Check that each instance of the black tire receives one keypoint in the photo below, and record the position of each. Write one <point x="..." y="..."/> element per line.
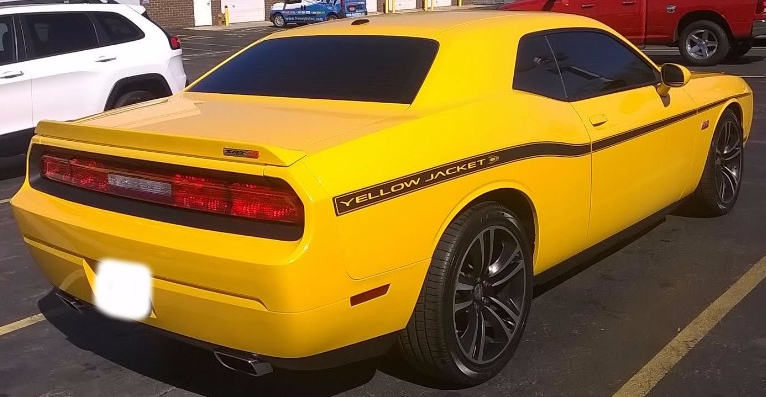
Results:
<point x="279" y="20"/>
<point x="701" y="29"/>
<point x="133" y="97"/>
<point x="739" y="49"/>
<point x="332" y="17"/>
<point x="430" y="342"/>
<point x="712" y="196"/>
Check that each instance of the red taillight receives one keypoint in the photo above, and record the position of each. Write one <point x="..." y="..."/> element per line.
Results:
<point x="246" y="200"/>
<point x="175" y="42"/>
<point x="761" y="7"/>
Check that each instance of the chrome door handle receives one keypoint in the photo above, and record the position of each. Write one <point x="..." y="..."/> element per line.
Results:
<point x="588" y="6"/>
<point x="10" y="75"/>
<point x="628" y="3"/>
<point x="105" y="59"/>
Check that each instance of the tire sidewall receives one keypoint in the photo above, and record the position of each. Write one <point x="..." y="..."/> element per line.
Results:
<point x="728" y="115"/>
<point x="130" y="98"/>
<point x="490" y="215"/>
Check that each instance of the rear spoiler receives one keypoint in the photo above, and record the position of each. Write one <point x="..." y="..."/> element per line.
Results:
<point x="192" y="146"/>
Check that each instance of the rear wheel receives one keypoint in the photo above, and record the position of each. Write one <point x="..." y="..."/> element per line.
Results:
<point x="279" y="21"/>
<point x="475" y="300"/>
<point x="703" y="43"/>
<point x="719" y="188"/>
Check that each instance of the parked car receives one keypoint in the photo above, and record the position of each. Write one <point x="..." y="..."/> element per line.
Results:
<point x="303" y="12"/>
<point x="284" y="212"/>
<point x="705" y="31"/>
<point x="66" y="61"/>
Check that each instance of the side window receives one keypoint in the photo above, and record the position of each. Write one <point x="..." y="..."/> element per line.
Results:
<point x="7" y="42"/>
<point x="118" y="29"/>
<point x="54" y="34"/>
<point x="536" y="70"/>
<point x="594" y="64"/>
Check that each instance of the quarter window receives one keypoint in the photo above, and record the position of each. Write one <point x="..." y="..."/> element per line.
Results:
<point x="594" y="64"/>
<point x="118" y="29"/>
<point x="7" y="42"/>
<point x="54" y="34"/>
<point x="536" y="69"/>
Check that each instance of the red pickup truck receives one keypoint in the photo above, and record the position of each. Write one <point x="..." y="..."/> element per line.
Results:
<point x="705" y="31"/>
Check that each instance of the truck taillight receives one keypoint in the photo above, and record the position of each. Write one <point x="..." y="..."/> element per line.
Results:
<point x="267" y="201"/>
<point x="761" y="7"/>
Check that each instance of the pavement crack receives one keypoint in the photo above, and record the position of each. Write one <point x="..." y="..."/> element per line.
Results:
<point x="164" y="392"/>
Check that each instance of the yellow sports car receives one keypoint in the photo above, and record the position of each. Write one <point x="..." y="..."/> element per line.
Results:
<point x="333" y="191"/>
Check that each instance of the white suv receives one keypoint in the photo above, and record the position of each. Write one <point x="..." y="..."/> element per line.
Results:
<point x="67" y="61"/>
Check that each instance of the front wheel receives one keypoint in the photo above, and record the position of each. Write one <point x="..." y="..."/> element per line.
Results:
<point x="279" y="21"/>
<point x="721" y="181"/>
<point x="703" y="43"/>
<point x="475" y="300"/>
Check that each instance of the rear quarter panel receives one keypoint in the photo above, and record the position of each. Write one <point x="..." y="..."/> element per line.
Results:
<point x="662" y="26"/>
<point x="385" y="234"/>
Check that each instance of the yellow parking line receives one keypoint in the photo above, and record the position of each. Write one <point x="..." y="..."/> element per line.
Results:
<point x="23" y="323"/>
<point x="648" y="377"/>
<point x="4" y="201"/>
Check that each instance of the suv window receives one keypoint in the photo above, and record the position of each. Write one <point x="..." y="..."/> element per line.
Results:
<point x="60" y="33"/>
<point x="594" y="64"/>
<point x="7" y="42"/>
<point x="536" y="70"/>
<point x="118" y="29"/>
<point x="354" y="68"/>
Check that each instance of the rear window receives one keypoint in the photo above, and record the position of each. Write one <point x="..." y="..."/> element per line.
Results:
<point x="354" y="68"/>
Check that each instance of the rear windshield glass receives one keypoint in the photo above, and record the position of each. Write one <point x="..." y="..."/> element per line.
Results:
<point x="354" y="68"/>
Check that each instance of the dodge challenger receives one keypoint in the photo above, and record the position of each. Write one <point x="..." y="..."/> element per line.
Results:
<point x="333" y="192"/>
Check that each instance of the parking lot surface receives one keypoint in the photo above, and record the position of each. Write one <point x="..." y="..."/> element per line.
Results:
<point x="590" y="333"/>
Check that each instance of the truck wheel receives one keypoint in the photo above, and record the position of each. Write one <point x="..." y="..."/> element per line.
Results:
<point x="739" y="49"/>
<point x="703" y="43"/>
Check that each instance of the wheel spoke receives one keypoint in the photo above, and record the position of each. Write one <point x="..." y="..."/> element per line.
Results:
<point x="731" y="155"/>
<point x="504" y="259"/>
<point x="514" y="316"/>
<point x="481" y="338"/>
<point x="730" y="178"/>
<point x="468" y="339"/>
<point x="497" y="323"/>
<point x="462" y="305"/>
<point x="463" y="283"/>
<point x="519" y="266"/>
<point x="487" y="250"/>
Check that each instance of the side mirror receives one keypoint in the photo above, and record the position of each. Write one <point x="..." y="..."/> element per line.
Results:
<point x="673" y="76"/>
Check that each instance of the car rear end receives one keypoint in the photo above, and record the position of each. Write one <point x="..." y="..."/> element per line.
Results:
<point x="169" y="46"/>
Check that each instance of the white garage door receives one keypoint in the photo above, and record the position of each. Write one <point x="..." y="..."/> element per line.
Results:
<point x="405" y="5"/>
<point x="245" y="10"/>
<point x="442" y="3"/>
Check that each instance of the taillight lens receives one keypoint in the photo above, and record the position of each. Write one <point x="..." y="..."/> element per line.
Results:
<point x="219" y="196"/>
<point x="761" y="7"/>
<point x="175" y="42"/>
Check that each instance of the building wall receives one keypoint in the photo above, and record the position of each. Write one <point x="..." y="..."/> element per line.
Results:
<point x="173" y="13"/>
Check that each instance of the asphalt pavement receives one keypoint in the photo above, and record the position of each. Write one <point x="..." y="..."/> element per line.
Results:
<point x="589" y="333"/>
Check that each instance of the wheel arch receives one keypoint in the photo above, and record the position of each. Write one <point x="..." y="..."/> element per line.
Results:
<point x="700" y="15"/>
<point x="152" y="82"/>
<point x="512" y="195"/>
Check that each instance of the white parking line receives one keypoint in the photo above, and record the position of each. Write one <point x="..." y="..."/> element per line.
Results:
<point x="644" y="381"/>
<point x="23" y="323"/>
<point x="4" y="201"/>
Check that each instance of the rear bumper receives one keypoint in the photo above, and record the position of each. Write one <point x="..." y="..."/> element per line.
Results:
<point x="67" y="241"/>
<point x="759" y="28"/>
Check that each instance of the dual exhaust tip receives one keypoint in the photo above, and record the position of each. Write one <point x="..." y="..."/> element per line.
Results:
<point x="240" y="362"/>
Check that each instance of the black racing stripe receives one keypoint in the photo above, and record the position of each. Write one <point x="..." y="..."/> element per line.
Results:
<point x="637" y="132"/>
<point x="385" y="191"/>
<point x="394" y="188"/>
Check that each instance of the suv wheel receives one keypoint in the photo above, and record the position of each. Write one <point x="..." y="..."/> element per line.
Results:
<point x="134" y="97"/>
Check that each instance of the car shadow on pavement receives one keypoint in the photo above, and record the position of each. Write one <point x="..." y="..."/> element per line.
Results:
<point x="12" y="167"/>
<point x="190" y="368"/>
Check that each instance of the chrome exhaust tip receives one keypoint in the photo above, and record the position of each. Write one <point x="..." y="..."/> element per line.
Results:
<point x="248" y="364"/>
<point x="70" y="301"/>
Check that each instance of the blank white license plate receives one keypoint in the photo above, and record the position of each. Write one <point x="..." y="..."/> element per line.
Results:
<point x="123" y="290"/>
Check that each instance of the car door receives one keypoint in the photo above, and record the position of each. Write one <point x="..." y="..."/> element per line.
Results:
<point x="627" y="17"/>
<point x="640" y="140"/>
<point x="293" y="11"/>
<point x="69" y="68"/>
<point x="15" y="90"/>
